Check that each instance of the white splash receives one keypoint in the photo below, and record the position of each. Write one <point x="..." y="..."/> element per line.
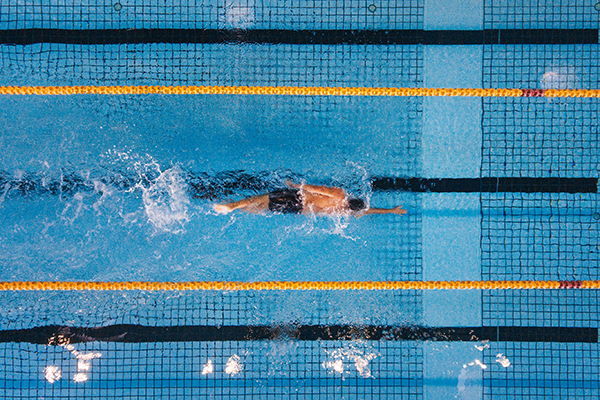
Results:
<point x="52" y="373"/>
<point x="5" y="190"/>
<point x="208" y="368"/>
<point x="83" y="362"/>
<point x="83" y="366"/>
<point x="559" y="78"/>
<point x="362" y="366"/>
<point x="481" y="348"/>
<point x="233" y="366"/>
<point x="166" y="202"/>
<point x="73" y="208"/>
<point x="239" y="16"/>
<point x="341" y="222"/>
<point x="89" y="356"/>
<point x="164" y="196"/>
<point x="332" y="224"/>
<point x="359" y="358"/>
<point x="475" y="362"/>
<point x="337" y="365"/>
<point x="107" y="191"/>
<point x="80" y="377"/>
<point x="502" y="360"/>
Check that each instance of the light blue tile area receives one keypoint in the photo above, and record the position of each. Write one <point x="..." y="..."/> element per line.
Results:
<point x="455" y="308"/>
<point x="451" y="141"/>
<point x="451" y="252"/>
<point x="452" y="66"/>
<point x="451" y="236"/>
<point x="447" y="373"/>
<point x="452" y="14"/>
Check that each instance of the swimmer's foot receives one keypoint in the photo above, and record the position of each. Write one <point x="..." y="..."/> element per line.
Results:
<point x="222" y="208"/>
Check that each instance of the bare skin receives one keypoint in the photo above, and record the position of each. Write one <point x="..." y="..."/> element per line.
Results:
<point x="315" y="200"/>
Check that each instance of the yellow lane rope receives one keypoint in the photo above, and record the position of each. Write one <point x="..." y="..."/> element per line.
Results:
<point x="283" y="285"/>
<point x="295" y="91"/>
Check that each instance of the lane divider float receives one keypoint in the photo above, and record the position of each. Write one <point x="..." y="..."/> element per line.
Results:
<point x="295" y="91"/>
<point x="297" y="285"/>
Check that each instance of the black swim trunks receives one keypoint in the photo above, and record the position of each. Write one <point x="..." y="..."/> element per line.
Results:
<point x="287" y="201"/>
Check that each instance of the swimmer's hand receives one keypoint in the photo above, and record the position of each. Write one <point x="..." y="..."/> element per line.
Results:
<point x="399" y="210"/>
<point x="221" y="209"/>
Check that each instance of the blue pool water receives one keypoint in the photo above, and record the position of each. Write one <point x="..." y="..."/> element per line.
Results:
<point x="121" y="188"/>
<point x="133" y="193"/>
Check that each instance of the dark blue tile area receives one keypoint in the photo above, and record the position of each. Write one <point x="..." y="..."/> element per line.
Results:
<point x="527" y="236"/>
<point x="524" y="14"/>
<point x="215" y="14"/>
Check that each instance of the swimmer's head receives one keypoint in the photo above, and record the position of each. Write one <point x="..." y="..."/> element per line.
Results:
<point x="356" y="204"/>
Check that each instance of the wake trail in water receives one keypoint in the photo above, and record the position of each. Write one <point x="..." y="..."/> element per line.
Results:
<point x="113" y="188"/>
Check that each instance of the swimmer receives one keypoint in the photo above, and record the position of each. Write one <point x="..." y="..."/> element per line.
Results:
<point x="306" y="199"/>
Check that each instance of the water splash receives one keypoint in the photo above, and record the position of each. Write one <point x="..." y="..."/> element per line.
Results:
<point x="238" y="16"/>
<point x="105" y="191"/>
<point x="559" y="78"/>
<point x="233" y="365"/>
<point x="359" y="177"/>
<point x="340" y="225"/>
<point x="165" y="200"/>
<point x="485" y="345"/>
<point x="337" y="365"/>
<point x="359" y="357"/>
<point x="502" y="360"/>
<point x="208" y="368"/>
<point x="52" y="373"/>
<point x="73" y="208"/>
<point x="80" y="377"/>
<point x="475" y="362"/>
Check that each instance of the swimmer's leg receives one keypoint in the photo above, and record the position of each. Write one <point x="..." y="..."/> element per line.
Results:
<point x="254" y="204"/>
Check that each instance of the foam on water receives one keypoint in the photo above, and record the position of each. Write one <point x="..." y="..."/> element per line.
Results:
<point x="166" y="201"/>
<point x="233" y="365"/>
<point x="208" y="368"/>
<point x="107" y="192"/>
<point x="358" y="358"/>
<point x="559" y="78"/>
<point x="164" y="193"/>
<point x="52" y="373"/>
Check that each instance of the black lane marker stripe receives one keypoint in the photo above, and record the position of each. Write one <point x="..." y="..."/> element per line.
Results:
<point x="213" y="187"/>
<point x="314" y="37"/>
<point x="489" y="185"/>
<point x="55" y="335"/>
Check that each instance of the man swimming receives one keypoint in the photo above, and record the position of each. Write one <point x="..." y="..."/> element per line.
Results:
<point x="305" y="199"/>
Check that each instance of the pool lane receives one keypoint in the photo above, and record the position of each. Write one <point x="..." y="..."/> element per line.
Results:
<point x="451" y="227"/>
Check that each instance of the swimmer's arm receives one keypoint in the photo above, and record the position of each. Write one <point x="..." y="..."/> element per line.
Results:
<point x="396" y="210"/>
<point x="322" y="190"/>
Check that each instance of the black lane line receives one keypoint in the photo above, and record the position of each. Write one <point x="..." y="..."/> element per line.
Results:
<point x="212" y="187"/>
<point x="56" y="335"/>
<point x="488" y="185"/>
<point x="310" y="37"/>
